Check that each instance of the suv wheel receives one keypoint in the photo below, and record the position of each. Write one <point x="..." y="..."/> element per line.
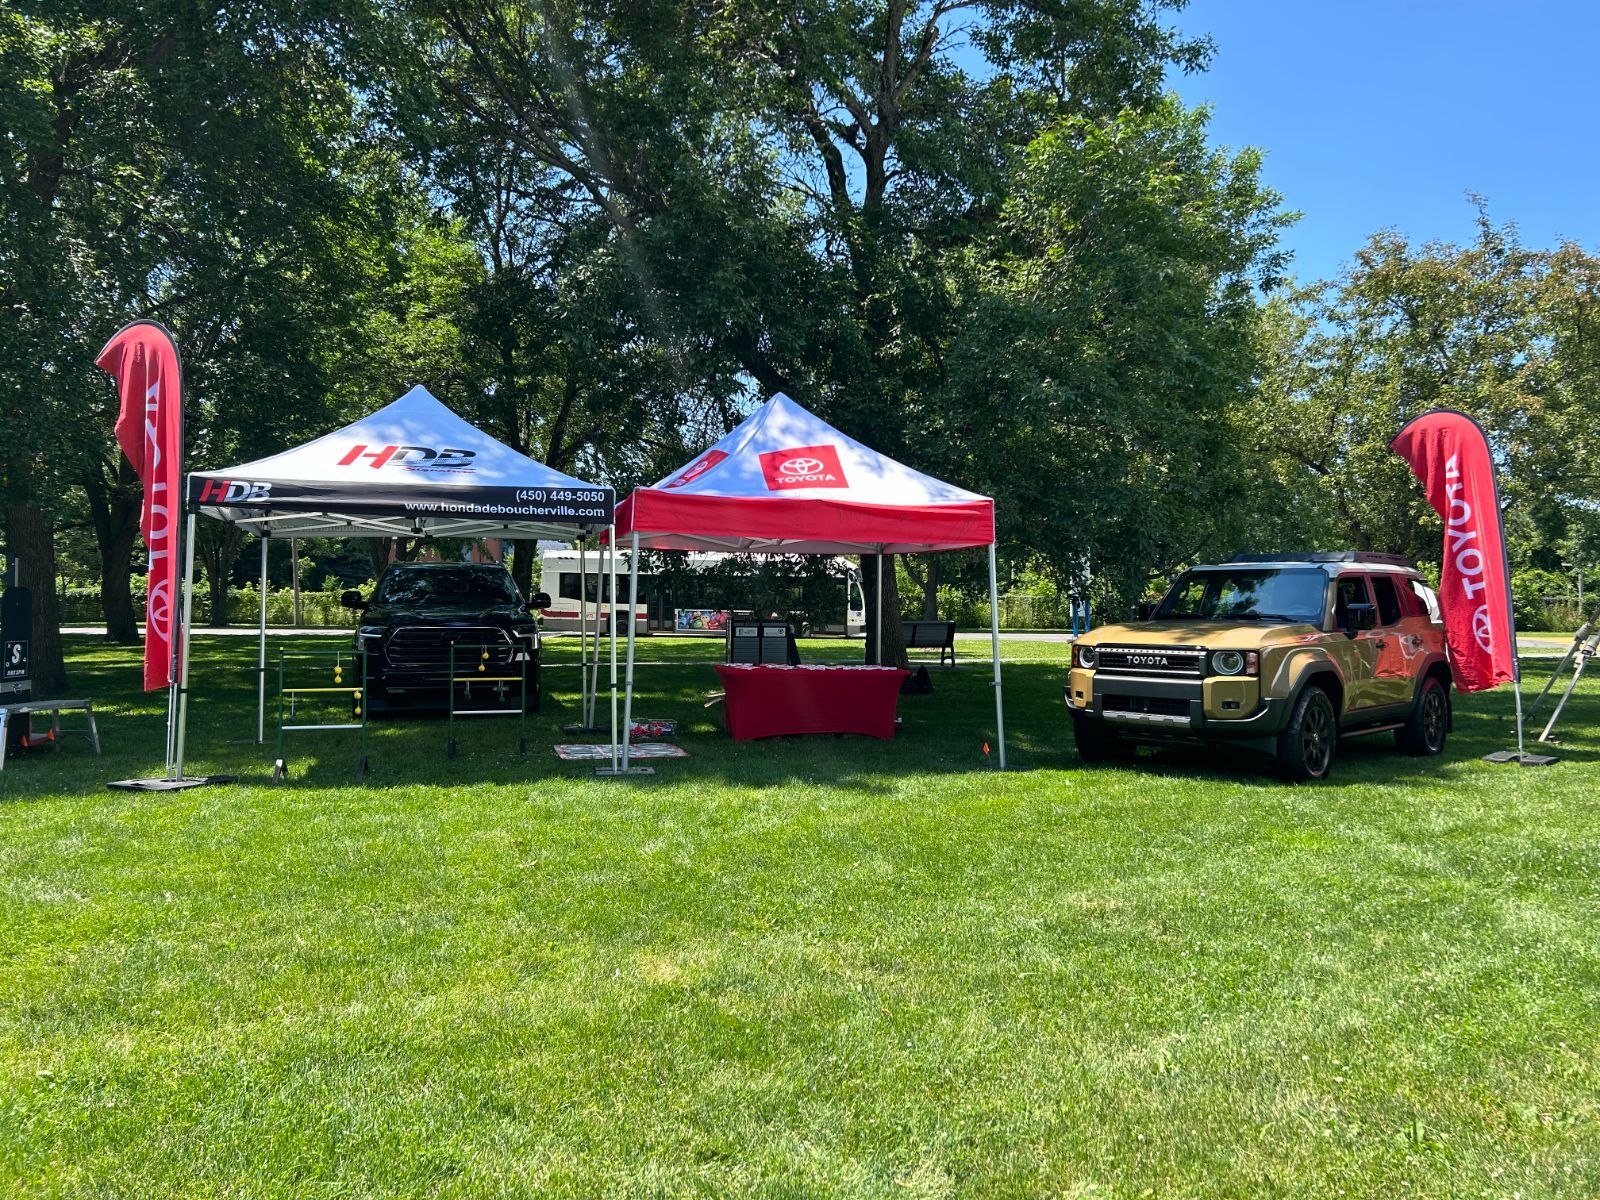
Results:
<point x="1425" y="729"/>
<point x="1308" y="741"/>
<point x="1097" y="744"/>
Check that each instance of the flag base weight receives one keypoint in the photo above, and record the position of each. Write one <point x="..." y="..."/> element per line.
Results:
<point x="169" y="785"/>
<point x="1522" y="760"/>
<point x="608" y="773"/>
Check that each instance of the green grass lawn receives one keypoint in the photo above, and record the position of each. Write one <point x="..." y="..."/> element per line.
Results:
<point x="794" y="968"/>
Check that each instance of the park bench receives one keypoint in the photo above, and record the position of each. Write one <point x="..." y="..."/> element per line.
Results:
<point x="55" y="708"/>
<point x="932" y="635"/>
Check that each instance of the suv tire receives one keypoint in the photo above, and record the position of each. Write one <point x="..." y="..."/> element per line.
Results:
<point x="1097" y="744"/>
<point x="1307" y="744"/>
<point x="1425" y="729"/>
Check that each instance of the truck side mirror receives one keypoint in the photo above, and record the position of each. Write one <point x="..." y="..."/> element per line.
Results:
<point x="540" y="600"/>
<point x="1144" y="610"/>
<point x="352" y="599"/>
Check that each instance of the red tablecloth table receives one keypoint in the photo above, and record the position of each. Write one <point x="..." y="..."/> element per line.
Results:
<point x="768" y="701"/>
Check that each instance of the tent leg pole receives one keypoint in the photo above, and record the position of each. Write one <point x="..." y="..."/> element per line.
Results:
<point x="611" y="569"/>
<point x="583" y="632"/>
<point x="878" y="657"/>
<point x="627" y="708"/>
<point x="595" y="637"/>
<point x="994" y="634"/>
<point x="294" y="580"/>
<point x="261" y="652"/>
<point x="183" y="663"/>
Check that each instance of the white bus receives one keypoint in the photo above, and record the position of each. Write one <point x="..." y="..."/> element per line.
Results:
<point x="658" y="606"/>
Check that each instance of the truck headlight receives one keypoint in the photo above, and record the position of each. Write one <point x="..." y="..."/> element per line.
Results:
<point x="1235" y="662"/>
<point x="369" y="639"/>
<point x="1086" y="656"/>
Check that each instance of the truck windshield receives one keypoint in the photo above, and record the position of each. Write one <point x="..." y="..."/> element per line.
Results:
<point x="1292" y="596"/>
<point x="447" y="587"/>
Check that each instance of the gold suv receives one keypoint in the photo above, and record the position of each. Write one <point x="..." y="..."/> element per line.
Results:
<point x="1281" y="656"/>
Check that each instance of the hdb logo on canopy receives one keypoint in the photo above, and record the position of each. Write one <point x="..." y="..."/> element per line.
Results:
<point x="233" y="491"/>
<point x="412" y="458"/>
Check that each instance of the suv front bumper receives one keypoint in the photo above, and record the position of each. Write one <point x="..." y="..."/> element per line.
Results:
<point x="1186" y="710"/>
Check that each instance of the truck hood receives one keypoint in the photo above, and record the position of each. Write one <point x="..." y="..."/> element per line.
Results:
<point x="1213" y="635"/>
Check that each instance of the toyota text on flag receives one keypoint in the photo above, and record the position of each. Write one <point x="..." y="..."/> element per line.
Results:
<point x="1450" y="455"/>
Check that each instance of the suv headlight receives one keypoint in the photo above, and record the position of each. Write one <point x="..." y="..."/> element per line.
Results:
<point x="369" y="638"/>
<point x="1235" y="662"/>
<point x="1085" y="656"/>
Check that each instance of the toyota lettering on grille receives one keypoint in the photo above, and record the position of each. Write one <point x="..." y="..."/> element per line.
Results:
<point x="1148" y="660"/>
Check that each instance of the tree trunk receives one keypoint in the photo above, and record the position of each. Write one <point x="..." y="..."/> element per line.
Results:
<point x="894" y="637"/>
<point x="115" y="510"/>
<point x="524" y="552"/>
<point x="299" y="617"/>
<point x="30" y="537"/>
<point x="930" y="590"/>
<point x="217" y="548"/>
<point x="382" y="551"/>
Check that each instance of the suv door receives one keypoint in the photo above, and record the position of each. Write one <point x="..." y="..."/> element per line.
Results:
<point x="1356" y="651"/>
<point x="1398" y="646"/>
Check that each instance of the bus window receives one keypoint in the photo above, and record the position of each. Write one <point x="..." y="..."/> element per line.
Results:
<point x="569" y="585"/>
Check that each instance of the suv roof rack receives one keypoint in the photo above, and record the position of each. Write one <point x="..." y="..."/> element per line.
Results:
<point x="1329" y="556"/>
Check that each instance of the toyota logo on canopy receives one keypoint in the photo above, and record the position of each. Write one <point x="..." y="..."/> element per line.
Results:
<point x="803" y="467"/>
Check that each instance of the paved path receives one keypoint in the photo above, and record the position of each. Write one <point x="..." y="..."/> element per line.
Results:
<point x="1531" y="644"/>
<point x="285" y="631"/>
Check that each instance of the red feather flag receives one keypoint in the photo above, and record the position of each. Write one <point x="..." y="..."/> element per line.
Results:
<point x="1449" y="453"/>
<point x="143" y="359"/>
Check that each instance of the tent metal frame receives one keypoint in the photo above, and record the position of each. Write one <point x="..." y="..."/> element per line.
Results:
<point x="265" y="528"/>
<point x="625" y="767"/>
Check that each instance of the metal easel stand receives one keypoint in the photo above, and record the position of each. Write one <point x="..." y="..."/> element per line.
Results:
<point x="481" y="676"/>
<point x="1584" y="647"/>
<point x="291" y="695"/>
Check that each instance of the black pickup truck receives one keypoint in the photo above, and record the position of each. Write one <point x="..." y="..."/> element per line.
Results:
<point x="419" y="609"/>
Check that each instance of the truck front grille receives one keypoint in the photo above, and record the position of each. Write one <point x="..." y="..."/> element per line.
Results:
<point x="1175" y="662"/>
<point x="427" y="648"/>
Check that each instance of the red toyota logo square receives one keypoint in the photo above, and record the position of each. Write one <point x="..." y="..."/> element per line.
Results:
<point x="803" y="467"/>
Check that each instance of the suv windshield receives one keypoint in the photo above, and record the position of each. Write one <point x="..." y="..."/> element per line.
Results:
<point x="446" y="587"/>
<point x="1246" y="594"/>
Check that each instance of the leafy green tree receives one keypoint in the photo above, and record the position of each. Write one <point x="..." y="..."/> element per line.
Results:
<point x="212" y="167"/>
<point x="1111" y="335"/>
<point x="1493" y="328"/>
<point x="793" y="192"/>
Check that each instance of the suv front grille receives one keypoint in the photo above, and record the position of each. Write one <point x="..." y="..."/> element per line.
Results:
<point x="427" y="647"/>
<point x="1162" y="706"/>
<point x="1177" y="662"/>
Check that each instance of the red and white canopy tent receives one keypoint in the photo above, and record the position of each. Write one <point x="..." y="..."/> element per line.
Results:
<point x="787" y="482"/>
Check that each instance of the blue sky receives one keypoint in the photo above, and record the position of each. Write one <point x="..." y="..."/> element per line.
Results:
<point x="1377" y="115"/>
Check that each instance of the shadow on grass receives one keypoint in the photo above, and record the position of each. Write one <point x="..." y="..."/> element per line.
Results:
<point x="942" y="735"/>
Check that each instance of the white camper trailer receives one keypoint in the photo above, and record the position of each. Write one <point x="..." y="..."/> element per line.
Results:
<point x="579" y="591"/>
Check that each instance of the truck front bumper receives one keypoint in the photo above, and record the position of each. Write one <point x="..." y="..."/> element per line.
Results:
<point x="1177" y="710"/>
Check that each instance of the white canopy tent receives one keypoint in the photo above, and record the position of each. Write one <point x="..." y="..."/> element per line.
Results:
<point x="412" y="469"/>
